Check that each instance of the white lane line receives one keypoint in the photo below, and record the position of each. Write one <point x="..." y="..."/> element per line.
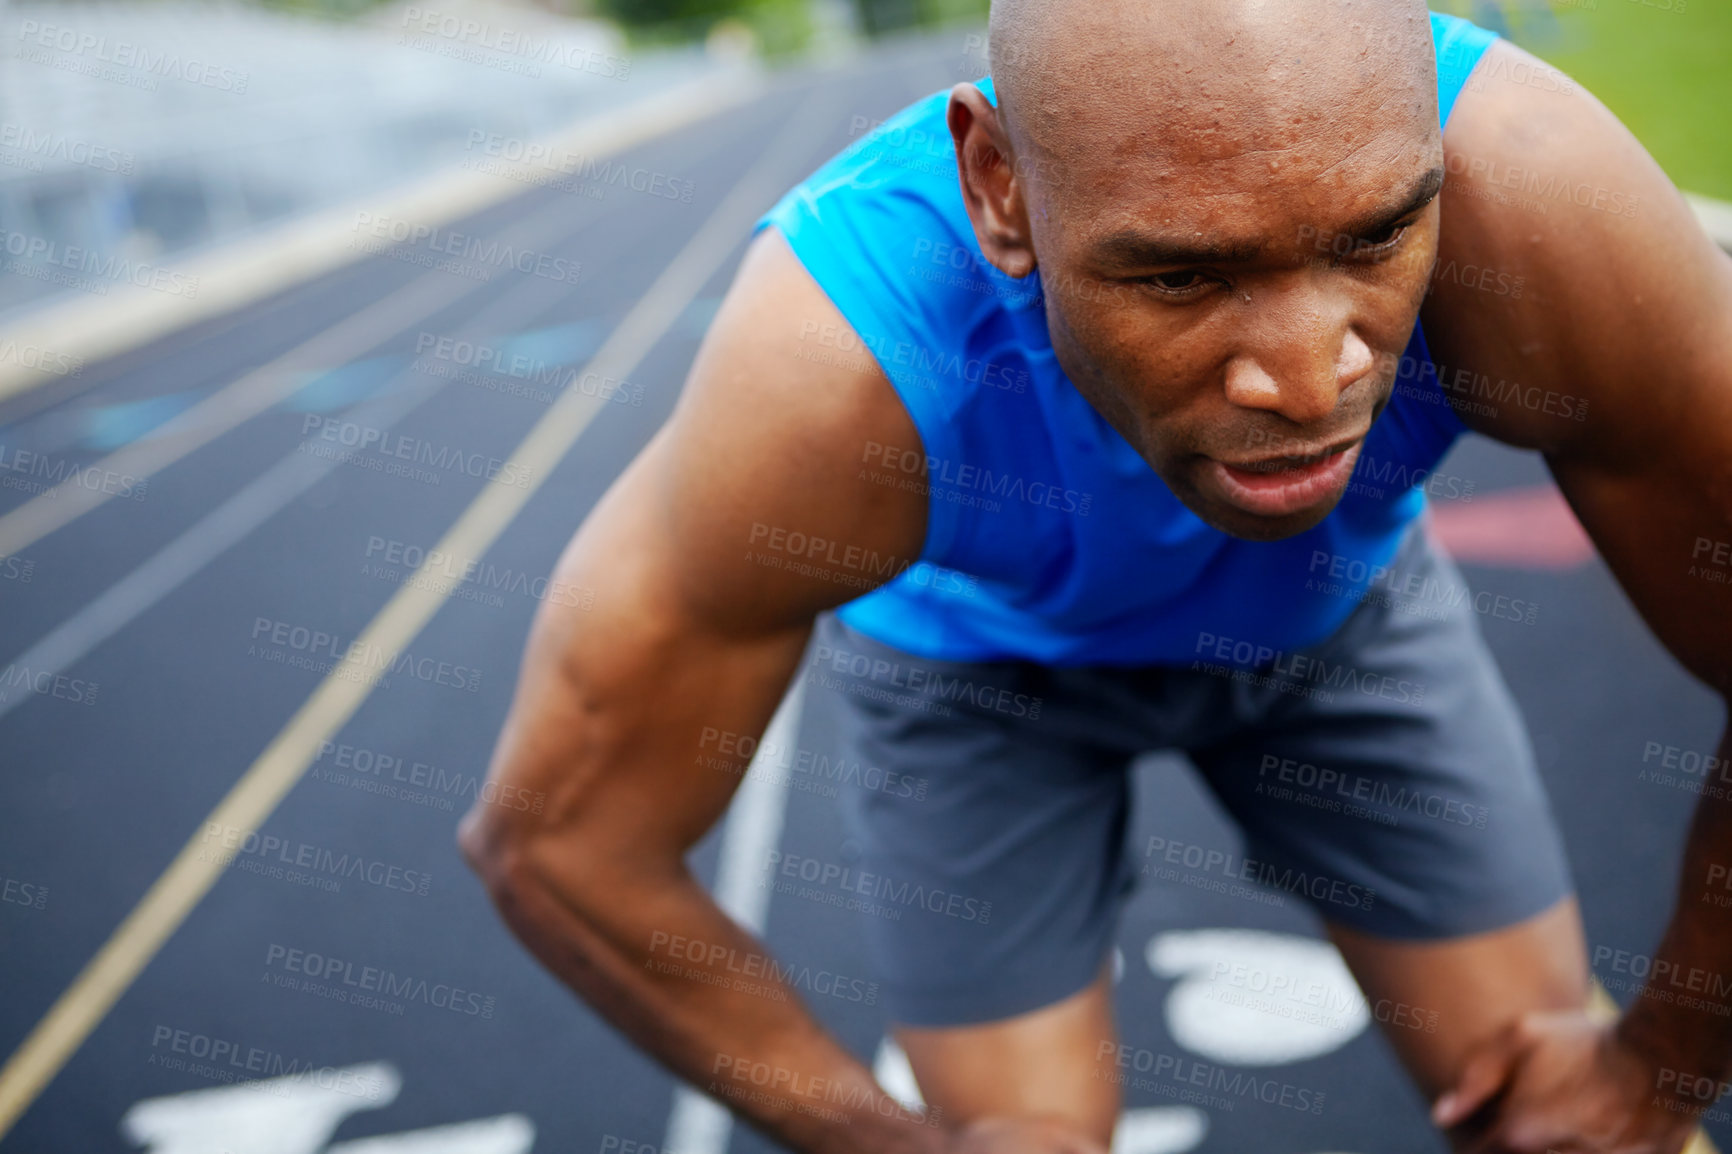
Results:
<point x="297" y="1114"/>
<point x="208" y="538"/>
<point x="290" y="1115"/>
<point x="54" y="1039"/>
<point x="214" y="533"/>
<point x="505" y="1134"/>
<point x="698" y="1124"/>
<point x="1160" y="1130"/>
<point x="892" y="1070"/>
<point x="754" y="827"/>
<point x="245" y="398"/>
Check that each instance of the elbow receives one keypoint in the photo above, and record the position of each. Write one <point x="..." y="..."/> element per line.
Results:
<point x="473" y="841"/>
<point x="508" y="857"/>
<point x="495" y="846"/>
<point x="529" y="867"/>
<point x="546" y="886"/>
<point x="535" y="904"/>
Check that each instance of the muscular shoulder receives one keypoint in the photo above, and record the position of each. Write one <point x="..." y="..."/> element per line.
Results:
<point x="1570" y="270"/>
<point x="762" y="463"/>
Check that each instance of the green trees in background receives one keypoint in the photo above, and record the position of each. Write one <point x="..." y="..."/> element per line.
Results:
<point x="876" y="16"/>
<point x="779" y="25"/>
<point x="1660" y="65"/>
<point x="649" y="13"/>
<point x="880" y="16"/>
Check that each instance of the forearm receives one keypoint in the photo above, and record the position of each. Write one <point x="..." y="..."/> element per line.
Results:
<point x="716" y="1014"/>
<point x="1682" y="1020"/>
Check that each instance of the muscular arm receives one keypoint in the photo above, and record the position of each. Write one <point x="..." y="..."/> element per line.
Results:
<point x="1626" y="310"/>
<point x="692" y="633"/>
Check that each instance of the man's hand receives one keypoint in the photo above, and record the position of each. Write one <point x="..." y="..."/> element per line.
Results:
<point x="1565" y="1083"/>
<point x="1022" y="1136"/>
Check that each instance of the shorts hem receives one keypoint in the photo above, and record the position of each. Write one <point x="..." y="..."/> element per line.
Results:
<point x="974" y="1005"/>
<point x="1405" y="927"/>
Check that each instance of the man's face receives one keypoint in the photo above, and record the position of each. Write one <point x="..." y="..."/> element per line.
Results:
<point x="1236" y="307"/>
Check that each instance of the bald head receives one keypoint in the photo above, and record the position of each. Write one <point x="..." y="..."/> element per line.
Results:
<point x="1232" y="205"/>
<point x="1200" y="81"/>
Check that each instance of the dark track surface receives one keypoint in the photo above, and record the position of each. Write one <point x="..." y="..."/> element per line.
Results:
<point x="97" y="797"/>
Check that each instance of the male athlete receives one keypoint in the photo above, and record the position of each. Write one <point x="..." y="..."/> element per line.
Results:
<point x="1105" y="428"/>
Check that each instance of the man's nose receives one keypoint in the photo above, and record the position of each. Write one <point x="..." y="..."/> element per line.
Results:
<point x="1301" y="371"/>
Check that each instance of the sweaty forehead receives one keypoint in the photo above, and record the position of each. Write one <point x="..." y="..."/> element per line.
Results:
<point x="1106" y="91"/>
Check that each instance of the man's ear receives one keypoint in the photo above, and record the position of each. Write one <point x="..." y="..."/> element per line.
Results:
<point x="990" y="186"/>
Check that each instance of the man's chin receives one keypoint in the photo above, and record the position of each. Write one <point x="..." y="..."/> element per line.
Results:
<point x="1254" y="527"/>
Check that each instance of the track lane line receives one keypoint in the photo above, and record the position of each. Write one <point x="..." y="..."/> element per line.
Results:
<point x="173" y="896"/>
<point x="235" y="518"/>
<point x="257" y="390"/>
<point x="252" y="393"/>
<point x="697" y="1123"/>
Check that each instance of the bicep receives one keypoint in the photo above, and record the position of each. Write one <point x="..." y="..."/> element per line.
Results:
<point x="1667" y="536"/>
<point x="636" y="706"/>
<point x="1614" y="357"/>
<point x="766" y="479"/>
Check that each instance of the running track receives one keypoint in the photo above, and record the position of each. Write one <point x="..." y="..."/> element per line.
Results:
<point x="248" y="544"/>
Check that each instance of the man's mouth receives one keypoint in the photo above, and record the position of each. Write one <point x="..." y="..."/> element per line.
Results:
<point x="1287" y="484"/>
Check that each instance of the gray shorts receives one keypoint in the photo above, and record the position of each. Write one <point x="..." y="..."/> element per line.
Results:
<point x="988" y="802"/>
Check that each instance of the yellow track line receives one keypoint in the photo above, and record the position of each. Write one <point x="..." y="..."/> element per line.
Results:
<point x="76" y="1013"/>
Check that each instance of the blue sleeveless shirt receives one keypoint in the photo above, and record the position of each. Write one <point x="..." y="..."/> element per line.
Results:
<point x="1048" y="538"/>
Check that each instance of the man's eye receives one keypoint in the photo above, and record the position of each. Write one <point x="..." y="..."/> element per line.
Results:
<point x="1177" y="282"/>
<point x="1383" y="238"/>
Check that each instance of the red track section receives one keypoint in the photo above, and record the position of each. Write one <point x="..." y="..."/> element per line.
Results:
<point x="1531" y="528"/>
